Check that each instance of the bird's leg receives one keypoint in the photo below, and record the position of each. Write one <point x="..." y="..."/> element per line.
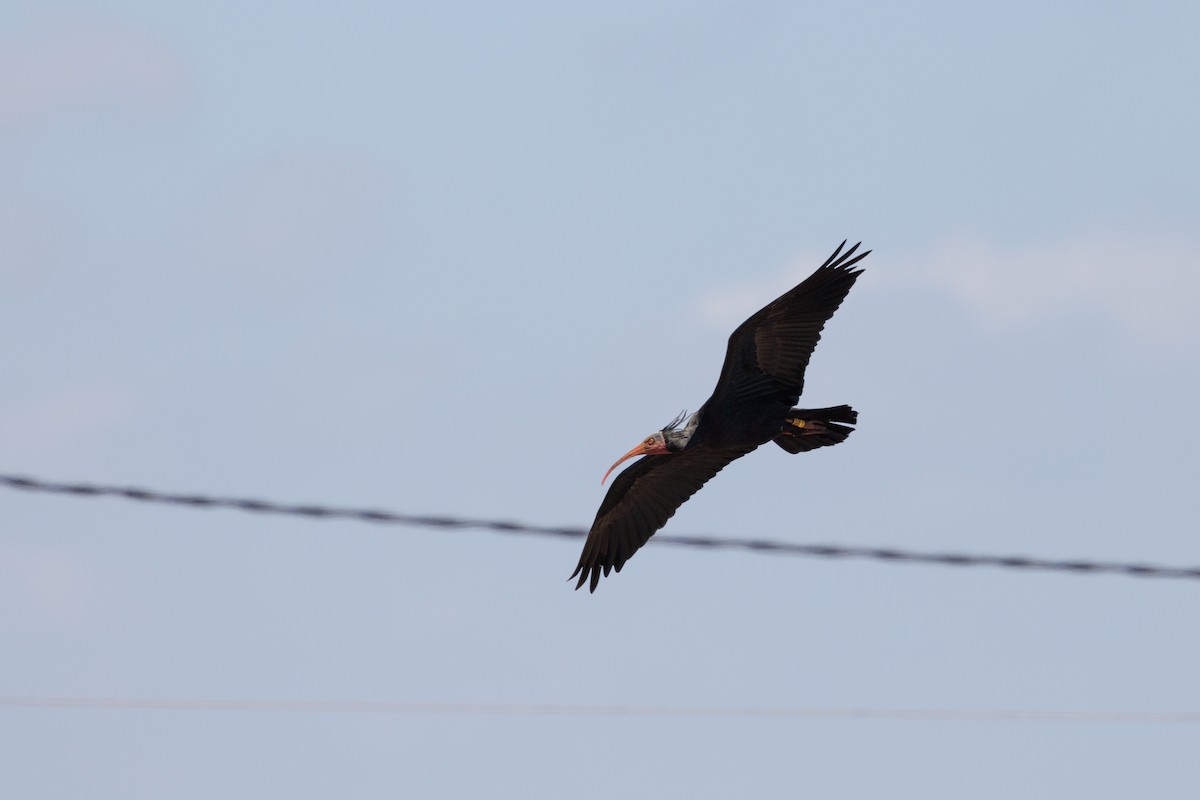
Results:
<point x="793" y="426"/>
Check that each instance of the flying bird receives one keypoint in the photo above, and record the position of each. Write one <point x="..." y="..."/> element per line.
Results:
<point x="761" y="380"/>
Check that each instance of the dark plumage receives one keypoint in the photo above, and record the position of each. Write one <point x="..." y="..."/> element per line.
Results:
<point x="761" y="379"/>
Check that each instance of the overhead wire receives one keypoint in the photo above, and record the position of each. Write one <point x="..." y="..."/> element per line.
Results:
<point x="767" y="546"/>
<point x="24" y="483"/>
<point x="594" y="710"/>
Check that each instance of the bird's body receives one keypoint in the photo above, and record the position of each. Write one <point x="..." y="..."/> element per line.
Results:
<point x="761" y="380"/>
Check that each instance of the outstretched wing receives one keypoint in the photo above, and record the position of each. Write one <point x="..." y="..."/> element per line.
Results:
<point x="768" y="353"/>
<point x="640" y="501"/>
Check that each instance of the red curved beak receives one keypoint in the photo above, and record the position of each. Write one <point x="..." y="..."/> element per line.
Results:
<point x="642" y="449"/>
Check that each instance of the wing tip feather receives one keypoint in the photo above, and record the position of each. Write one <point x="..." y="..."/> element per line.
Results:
<point x="836" y="252"/>
<point x="844" y="261"/>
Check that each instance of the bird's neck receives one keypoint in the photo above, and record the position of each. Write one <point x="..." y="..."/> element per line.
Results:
<point x="678" y="439"/>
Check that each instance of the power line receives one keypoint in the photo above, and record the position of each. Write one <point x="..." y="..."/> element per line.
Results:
<point x="770" y="546"/>
<point x="586" y="710"/>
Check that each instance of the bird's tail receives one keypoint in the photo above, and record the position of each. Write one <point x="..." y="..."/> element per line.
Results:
<point x="810" y="428"/>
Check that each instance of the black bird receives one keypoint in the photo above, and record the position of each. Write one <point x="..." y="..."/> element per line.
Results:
<point x="761" y="380"/>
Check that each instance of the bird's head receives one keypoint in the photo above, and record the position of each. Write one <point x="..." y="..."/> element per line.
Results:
<point x="668" y="440"/>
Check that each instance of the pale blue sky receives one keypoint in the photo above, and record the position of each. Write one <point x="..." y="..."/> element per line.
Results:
<point x="456" y="259"/>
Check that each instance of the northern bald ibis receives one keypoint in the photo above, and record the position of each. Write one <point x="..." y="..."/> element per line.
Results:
<point x="760" y="382"/>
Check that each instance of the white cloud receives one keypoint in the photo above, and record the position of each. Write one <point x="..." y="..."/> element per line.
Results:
<point x="50" y="71"/>
<point x="34" y="429"/>
<point x="727" y="306"/>
<point x="1146" y="287"/>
